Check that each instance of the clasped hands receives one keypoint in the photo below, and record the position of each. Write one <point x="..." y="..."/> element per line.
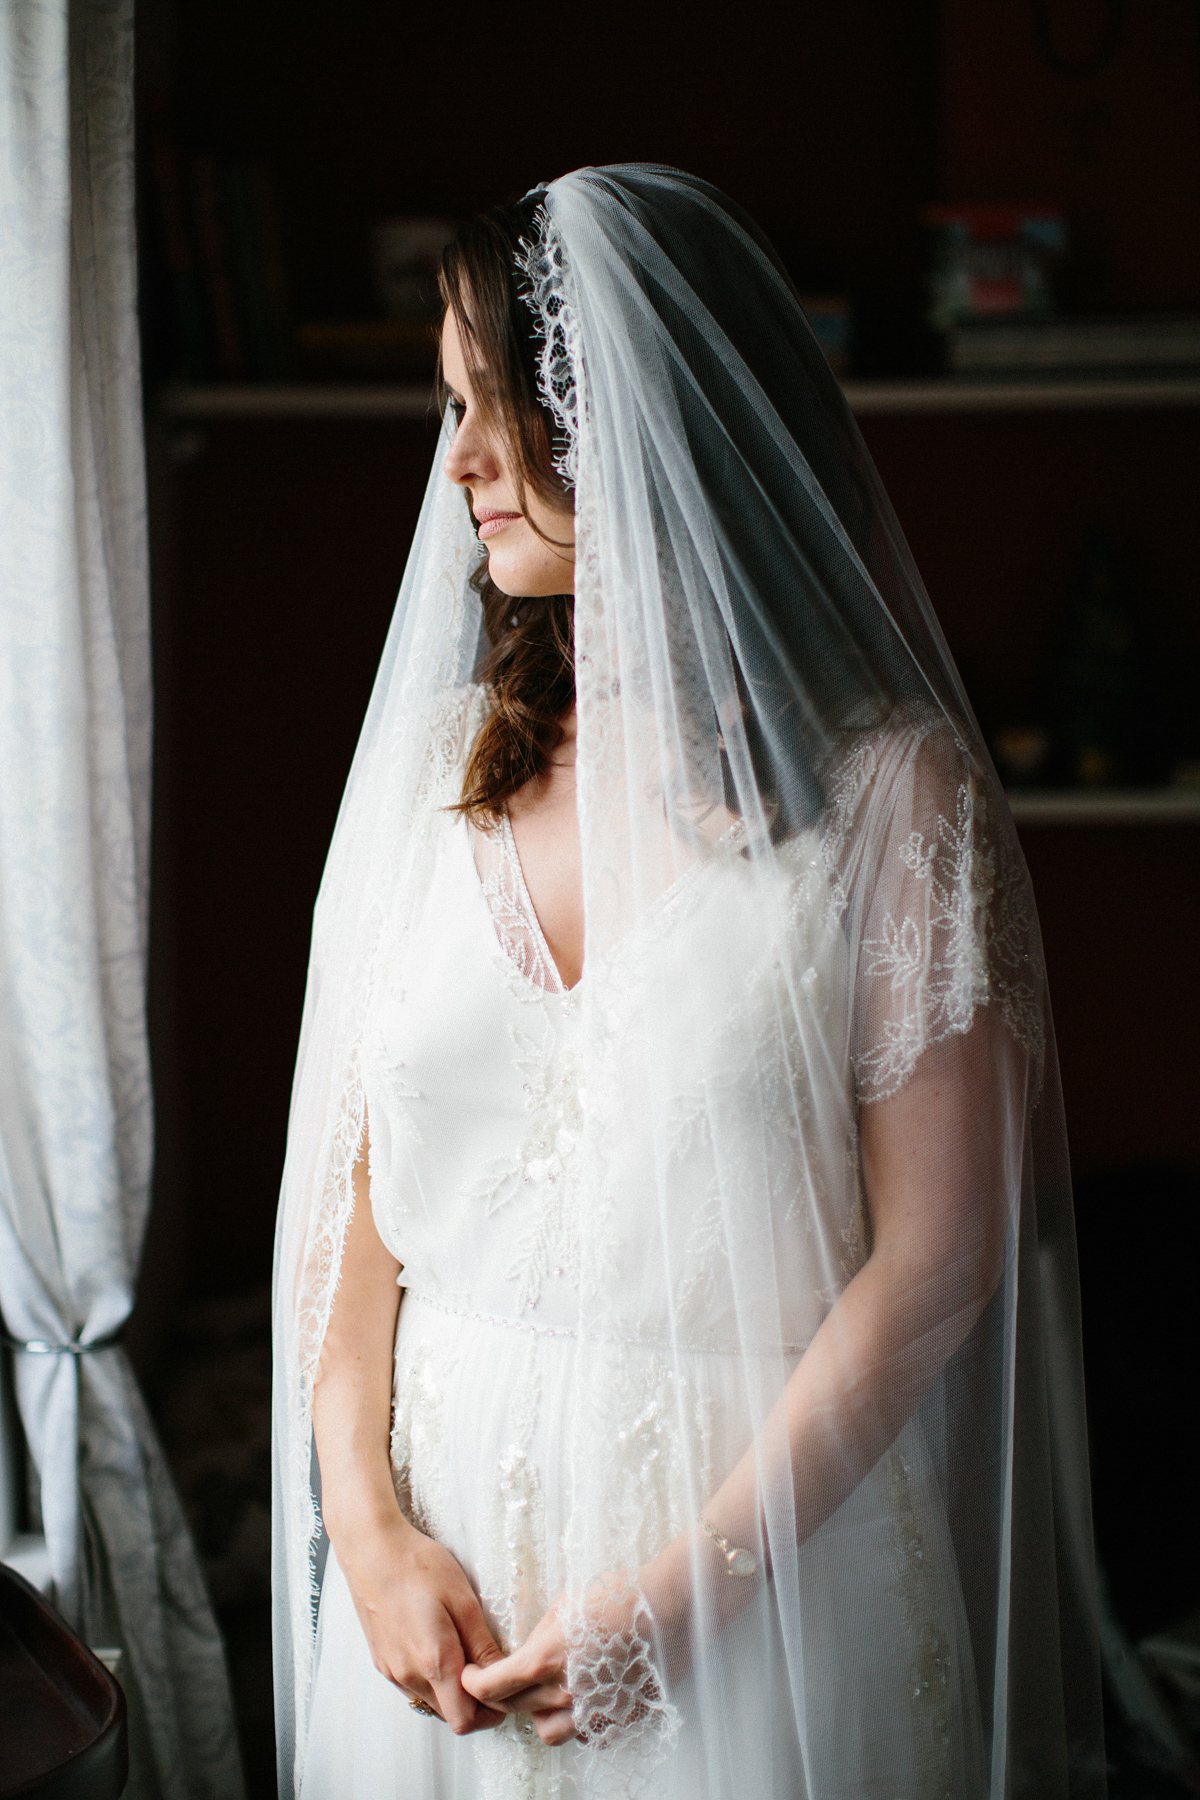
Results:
<point x="533" y="1678"/>
<point x="429" y="1637"/>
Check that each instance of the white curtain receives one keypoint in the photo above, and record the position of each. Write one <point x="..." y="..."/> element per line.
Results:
<point x="75" y="1109"/>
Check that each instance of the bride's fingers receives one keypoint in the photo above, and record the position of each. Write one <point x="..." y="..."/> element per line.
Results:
<point x="546" y="1697"/>
<point x="493" y="1685"/>
<point x="479" y="1646"/>
<point x="425" y="1696"/>
<point x="525" y="1668"/>
<point x="456" y="1708"/>
<point x="556" y="1727"/>
<point x="486" y="1719"/>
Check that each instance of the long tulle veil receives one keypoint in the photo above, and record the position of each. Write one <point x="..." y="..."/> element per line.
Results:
<point x="762" y="688"/>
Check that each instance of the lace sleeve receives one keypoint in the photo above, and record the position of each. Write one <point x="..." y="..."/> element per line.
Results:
<point x="937" y="903"/>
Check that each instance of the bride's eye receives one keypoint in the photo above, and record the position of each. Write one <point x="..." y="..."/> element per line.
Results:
<point x="456" y="409"/>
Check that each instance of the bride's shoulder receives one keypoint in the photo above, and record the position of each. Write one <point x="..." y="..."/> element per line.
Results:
<point x="917" y="760"/>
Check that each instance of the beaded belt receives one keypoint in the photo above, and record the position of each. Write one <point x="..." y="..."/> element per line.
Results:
<point x="663" y="1343"/>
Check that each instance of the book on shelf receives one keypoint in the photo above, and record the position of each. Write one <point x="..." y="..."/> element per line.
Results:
<point x="257" y="270"/>
<point x="192" y="351"/>
<point x="227" y="276"/>
<point x="1113" y="346"/>
<point x="213" y="244"/>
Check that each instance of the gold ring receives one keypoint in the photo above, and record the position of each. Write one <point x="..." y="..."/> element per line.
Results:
<point x="423" y="1707"/>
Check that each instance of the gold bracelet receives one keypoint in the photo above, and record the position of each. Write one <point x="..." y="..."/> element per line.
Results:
<point x="737" y="1561"/>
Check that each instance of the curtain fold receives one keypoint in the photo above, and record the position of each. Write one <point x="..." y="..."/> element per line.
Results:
<point x="75" y="1101"/>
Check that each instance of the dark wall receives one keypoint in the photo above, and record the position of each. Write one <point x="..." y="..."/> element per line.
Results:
<point x="997" y="507"/>
<point x="833" y="122"/>
<point x="821" y="118"/>
<point x="278" y="548"/>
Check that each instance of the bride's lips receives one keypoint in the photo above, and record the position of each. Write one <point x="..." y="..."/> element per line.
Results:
<point x="492" y="522"/>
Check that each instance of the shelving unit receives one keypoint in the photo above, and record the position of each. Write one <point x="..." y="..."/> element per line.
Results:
<point x="216" y="403"/>
<point x="869" y="399"/>
<point x="882" y="398"/>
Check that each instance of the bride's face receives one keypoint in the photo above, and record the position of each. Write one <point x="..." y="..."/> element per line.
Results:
<point x="519" y="561"/>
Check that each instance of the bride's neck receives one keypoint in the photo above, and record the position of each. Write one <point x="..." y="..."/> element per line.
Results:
<point x="552" y="792"/>
<point x="563" y="756"/>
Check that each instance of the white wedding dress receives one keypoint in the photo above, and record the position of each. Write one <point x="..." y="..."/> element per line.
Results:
<point x="623" y="1214"/>
<point x="472" y="1080"/>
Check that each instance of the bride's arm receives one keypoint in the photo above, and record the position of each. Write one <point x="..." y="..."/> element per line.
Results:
<point x="936" y="1167"/>
<point x="421" y="1617"/>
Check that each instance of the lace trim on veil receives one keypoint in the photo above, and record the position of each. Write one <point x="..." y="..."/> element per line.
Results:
<point x="541" y="263"/>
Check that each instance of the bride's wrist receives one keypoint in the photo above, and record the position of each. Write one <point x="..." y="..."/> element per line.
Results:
<point x="359" y="1525"/>
<point x="666" y="1581"/>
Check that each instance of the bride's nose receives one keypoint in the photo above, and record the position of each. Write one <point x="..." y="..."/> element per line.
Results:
<point x="470" y="460"/>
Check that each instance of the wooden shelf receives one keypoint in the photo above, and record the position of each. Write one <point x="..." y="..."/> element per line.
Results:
<point x="876" y="398"/>
<point x="229" y="400"/>
<point x="1119" y="806"/>
<point x="869" y="399"/>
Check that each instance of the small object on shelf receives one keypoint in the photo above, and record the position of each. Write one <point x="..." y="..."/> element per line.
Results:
<point x="1104" y="702"/>
<point x="1108" y="710"/>
<point x="832" y="324"/>
<point x="990" y="261"/>
<point x="405" y="254"/>
<point x="1021" y="753"/>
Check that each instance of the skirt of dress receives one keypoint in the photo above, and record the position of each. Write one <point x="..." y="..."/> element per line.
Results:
<point x="483" y="1417"/>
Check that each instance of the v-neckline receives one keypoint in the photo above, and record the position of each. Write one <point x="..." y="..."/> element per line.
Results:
<point x="514" y="855"/>
<point x="530" y="924"/>
<point x="528" y="912"/>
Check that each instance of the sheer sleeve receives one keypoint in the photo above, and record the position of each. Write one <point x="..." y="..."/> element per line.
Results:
<point x="936" y="903"/>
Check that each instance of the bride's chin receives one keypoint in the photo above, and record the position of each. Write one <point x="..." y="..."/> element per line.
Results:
<point x="511" y="580"/>
<point x="525" y="574"/>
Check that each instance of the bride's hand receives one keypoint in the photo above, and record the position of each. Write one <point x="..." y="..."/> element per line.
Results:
<point x="533" y="1679"/>
<point x="422" y="1619"/>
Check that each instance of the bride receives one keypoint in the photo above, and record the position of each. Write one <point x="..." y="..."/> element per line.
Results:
<point x="677" y="1373"/>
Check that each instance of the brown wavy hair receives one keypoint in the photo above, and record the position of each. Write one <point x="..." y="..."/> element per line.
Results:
<point x="528" y="672"/>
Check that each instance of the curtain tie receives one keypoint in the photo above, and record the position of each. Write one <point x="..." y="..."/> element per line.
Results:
<point x="42" y="1347"/>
